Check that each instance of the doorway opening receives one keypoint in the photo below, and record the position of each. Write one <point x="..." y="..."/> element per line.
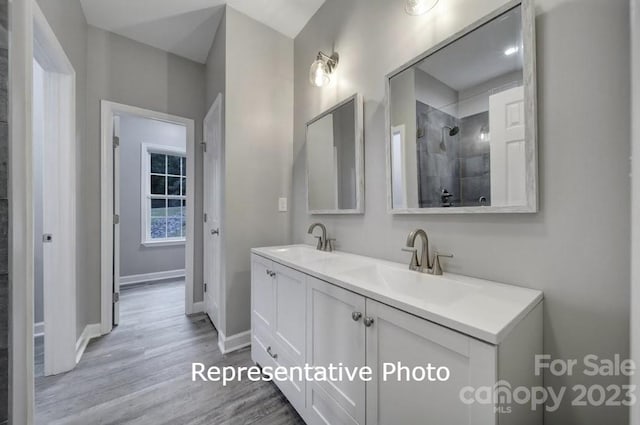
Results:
<point x="147" y="204"/>
<point x="150" y="200"/>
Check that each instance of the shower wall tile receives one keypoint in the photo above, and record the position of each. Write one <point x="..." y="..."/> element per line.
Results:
<point x="4" y="212"/>
<point x="4" y="158"/>
<point x="438" y="163"/>
<point x="4" y="304"/>
<point x="4" y="83"/>
<point x="475" y="187"/>
<point x="475" y="166"/>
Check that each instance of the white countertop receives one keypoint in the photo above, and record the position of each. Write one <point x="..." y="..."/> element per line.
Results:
<point x="482" y="309"/>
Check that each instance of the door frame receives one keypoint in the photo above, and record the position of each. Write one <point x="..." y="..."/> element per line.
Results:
<point x="216" y="108"/>
<point x="635" y="198"/>
<point x="108" y="110"/>
<point x="28" y="25"/>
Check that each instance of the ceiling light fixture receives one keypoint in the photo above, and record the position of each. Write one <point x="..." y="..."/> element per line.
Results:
<point x="419" y="7"/>
<point x="322" y="68"/>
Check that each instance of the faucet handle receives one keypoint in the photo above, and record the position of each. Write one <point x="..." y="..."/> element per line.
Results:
<point x="437" y="267"/>
<point x="329" y="245"/>
<point x="414" y="257"/>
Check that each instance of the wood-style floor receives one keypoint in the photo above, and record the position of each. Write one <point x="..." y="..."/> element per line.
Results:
<point x="141" y="373"/>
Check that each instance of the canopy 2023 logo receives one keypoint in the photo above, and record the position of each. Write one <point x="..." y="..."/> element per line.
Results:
<point x="503" y="396"/>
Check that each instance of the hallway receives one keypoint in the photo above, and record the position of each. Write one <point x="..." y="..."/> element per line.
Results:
<point x="141" y="373"/>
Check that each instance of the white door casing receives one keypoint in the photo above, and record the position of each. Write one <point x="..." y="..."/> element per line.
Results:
<point x="213" y="198"/>
<point x="507" y="148"/>
<point x="108" y="248"/>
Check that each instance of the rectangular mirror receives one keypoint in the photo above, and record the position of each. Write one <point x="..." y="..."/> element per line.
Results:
<point x="335" y="163"/>
<point x="462" y="121"/>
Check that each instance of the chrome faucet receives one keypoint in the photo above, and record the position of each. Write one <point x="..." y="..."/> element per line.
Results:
<point x="324" y="243"/>
<point x="423" y="265"/>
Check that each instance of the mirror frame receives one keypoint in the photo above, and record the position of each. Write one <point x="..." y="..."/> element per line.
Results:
<point x="531" y="120"/>
<point x="359" y="140"/>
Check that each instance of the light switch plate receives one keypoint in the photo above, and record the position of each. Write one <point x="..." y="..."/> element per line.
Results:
<point x="282" y="204"/>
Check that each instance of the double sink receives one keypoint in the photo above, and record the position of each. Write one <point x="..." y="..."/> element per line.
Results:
<point x="479" y="308"/>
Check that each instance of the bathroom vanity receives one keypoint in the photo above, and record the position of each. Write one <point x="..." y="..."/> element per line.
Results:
<point x="321" y="308"/>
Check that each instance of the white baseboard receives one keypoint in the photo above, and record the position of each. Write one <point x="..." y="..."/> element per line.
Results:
<point x="151" y="277"/>
<point x="90" y="331"/>
<point x="197" y="308"/>
<point x="233" y="342"/>
<point x="38" y="329"/>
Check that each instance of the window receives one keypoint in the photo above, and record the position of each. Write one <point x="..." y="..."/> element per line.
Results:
<point x="164" y="185"/>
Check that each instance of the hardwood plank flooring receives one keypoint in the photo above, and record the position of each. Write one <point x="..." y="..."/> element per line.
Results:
<point x="141" y="373"/>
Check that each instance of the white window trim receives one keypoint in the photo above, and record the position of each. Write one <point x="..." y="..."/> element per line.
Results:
<point x="145" y="194"/>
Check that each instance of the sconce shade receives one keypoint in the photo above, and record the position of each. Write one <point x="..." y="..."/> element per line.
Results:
<point x="319" y="74"/>
<point x="419" y="7"/>
<point x="321" y="69"/>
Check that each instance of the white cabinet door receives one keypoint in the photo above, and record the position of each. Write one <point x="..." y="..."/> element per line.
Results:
<point x="290" y="312"/>
<point x="262" y="294"/>
<point x="398" y="337"/>
<point x="334" y="337"/>
<point x="289" y="329"/>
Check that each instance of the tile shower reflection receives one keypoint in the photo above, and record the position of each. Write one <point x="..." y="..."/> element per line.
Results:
<point x="458" y="122"/>
<point x="453" y="158"/>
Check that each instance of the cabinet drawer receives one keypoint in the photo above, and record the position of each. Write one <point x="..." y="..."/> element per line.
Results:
<point x="261" y="343"/>
<point x="267" y="353"/>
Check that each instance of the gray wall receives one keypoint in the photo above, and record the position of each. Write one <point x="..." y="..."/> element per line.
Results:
<point x="135" y="258"/>
<point x="68" y="23"/>
<point x="576" y="249"/>
<point x="215" y="77"/>
<point x="4" y="210"/>
<point x="258" y="137"/>
<point x="128" y="72"/>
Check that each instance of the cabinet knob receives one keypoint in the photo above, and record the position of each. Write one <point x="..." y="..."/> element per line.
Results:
<point x="368" y="321"/>
<point x="356" y="316"/>
<point x="273" y="356"/>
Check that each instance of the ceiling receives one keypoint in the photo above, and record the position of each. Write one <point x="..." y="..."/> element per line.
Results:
<point x="187" y="27"/>
<point x="473" y="60"/>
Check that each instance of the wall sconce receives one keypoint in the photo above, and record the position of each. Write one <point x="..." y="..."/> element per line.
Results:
<point x="419" y="7"/>
<point x="322" y="68"/>
<point x="485" y="135"/>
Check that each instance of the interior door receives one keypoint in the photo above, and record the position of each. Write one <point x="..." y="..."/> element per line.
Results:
<point x="507" y="147"/>
<point x="116" y="220"/>
<point x="212" y="211"/>
<point x="51" y="238"/>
